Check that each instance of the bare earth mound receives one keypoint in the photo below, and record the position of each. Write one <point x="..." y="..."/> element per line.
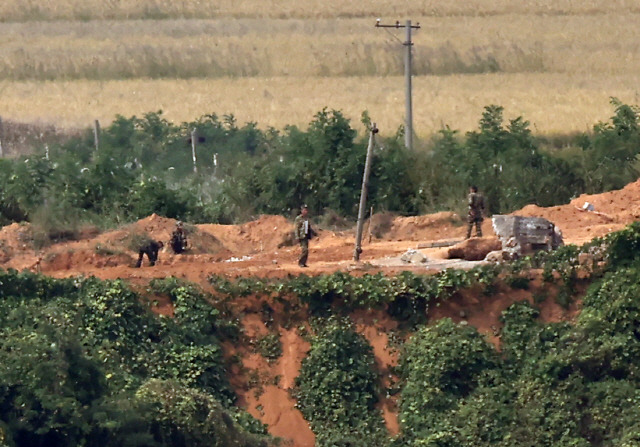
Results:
<point x="612" y="211"/>
<point x="262" y="248"/>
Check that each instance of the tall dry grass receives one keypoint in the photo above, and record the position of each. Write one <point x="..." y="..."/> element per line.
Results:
<point x="35" y="10"/>
<point x="556" y="62"/>
<point x="553" y="103"/>
<point x="105" y="50"/>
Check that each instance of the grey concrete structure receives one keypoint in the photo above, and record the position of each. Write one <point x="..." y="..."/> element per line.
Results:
<point x="524" y="235"/>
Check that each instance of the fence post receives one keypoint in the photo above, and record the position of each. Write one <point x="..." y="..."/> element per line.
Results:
<point x="96" y="134"/>
<point x="1" y="137"/>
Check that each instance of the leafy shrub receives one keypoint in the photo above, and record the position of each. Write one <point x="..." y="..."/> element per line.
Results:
<point x="269" y="347"/>
<point x="623" y="246"/>
<point x="337" y="388"/>
<point x="76" y="351"/>
<point x="186" y="417"/>
<point x="440" y="366"/>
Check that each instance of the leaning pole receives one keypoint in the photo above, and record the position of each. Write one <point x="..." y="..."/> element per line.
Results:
<point x="363" y="193"/>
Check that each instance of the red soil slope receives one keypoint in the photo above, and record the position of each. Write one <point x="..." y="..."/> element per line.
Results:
<point x="262" y="248"/>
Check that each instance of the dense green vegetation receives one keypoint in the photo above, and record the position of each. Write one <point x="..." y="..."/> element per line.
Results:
<point x="553" y="385"/>
<point x="144" y="165"/>
<point x="84" y="362"/>
<point x="338" y="388"/>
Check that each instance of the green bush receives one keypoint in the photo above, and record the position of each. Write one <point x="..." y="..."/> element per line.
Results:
<point x="337" y="388"/>
<point x="440" y="366"/>
<point x="76" y="352"/>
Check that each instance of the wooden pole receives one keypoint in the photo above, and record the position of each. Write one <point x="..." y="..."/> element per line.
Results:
<point x="193" y="150"/>
<point x="96" y="134"/>
<point x="1" y="137"/>
<point x="363" y="193"/>
<point x="370" y="222"/>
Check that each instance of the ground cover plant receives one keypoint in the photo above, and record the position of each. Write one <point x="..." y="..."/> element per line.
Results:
<point x="85" y="361"/>
<point x="337" y="387"/>
<point x="553" y="384"/>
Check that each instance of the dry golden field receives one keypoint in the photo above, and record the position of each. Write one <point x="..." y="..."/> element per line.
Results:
<point x="556" y="63"/>
<point x="29" y="10"/>
<point x="553" y="103"/>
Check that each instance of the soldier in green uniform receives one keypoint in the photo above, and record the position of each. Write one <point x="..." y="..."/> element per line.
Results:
<point x="178" y="241"/>
<point x="304" y="232"/>
<point x="151" y="249"/>
<point x="476" y="211"/>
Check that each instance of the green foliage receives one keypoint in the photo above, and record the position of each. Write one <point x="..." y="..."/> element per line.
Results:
<point x="187" y="417"/>
<point x="554" y="384"/>
<point x="623" y="246"/>
<point x="505" y="162"/>
<point x="79" y="357"/>
<point x="609" y="156"/>
<point x="85" y="362"/>
<point x="406" y="296"/>
<point x="441" y="365"/>
<point x="337" y="388"/>
<point x="269" y="347"/>
<point x="144" y="165"/>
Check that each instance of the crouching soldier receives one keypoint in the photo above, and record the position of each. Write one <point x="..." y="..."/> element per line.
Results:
<point x="151" y="249"/>
<point x="178" y="241"/>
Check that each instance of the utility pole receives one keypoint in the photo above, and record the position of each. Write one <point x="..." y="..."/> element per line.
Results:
<point x="408" y="131"/>
<point x="363" y="193"/>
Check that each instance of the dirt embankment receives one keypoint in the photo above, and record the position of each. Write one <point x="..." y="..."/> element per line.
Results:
<point x="264" y="248"/>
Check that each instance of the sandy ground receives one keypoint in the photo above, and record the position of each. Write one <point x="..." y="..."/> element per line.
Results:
<point x="261" y="248"/>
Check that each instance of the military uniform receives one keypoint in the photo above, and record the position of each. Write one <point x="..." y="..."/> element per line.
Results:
<point x="304" y="232"/>
<point x="178" y="240"/>
<point x="151" y="249"/>
<point x="476" y="210"/>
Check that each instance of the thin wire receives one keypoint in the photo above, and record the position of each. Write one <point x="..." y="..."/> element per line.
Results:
<point x="393" y="35"/>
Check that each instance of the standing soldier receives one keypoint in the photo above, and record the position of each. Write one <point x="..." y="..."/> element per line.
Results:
<point x="151" y="249"/>
<point x="178" y="239"/>
<point x="304" y="232"/>
<point x="476" y="210"/>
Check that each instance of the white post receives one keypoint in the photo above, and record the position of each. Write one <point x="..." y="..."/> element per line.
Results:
<point x="193" y="150"/>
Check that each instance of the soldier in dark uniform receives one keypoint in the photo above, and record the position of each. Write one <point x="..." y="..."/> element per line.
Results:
<point x="476" y="211"/>
<point x="304" y="232"/>
<point x="178" y="239"/>
<point x="151" y="249"/>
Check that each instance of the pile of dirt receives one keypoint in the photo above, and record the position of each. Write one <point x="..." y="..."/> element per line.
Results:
<point x="475" y="249"/>
<point x="428" y="227"/>
<point x="66" y="260"/>
<point x="160" y="228"/>
<point x="612" y="211"/>
<point x="265" y="234"/>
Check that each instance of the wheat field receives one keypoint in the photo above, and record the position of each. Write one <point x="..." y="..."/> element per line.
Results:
<point x="35" y="10"/>
<point x="556" y="63"/>
<point x="554" y="104"/>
